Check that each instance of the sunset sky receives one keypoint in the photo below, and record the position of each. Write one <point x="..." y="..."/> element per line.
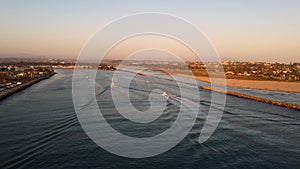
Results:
<point x="246" y="30"/>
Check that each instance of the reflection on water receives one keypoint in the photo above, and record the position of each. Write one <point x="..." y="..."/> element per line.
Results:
<point x="39" y="129"/>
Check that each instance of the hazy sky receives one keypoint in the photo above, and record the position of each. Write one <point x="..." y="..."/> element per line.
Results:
<point x="261" y="30"/>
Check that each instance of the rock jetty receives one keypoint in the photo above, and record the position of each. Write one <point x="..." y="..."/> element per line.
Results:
<point x="259" y="99"/>
<point x="21" y="87"/>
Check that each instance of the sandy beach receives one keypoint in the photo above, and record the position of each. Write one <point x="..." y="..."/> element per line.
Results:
<point x="250" y="84"/>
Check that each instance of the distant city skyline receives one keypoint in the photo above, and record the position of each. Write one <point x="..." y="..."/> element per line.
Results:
<point x="240" y="30"/>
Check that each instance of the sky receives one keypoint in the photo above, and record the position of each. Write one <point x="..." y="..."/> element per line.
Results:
<point x="241" y="30"/>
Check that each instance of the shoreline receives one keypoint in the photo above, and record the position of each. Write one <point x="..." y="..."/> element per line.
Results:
<point x="255" y="98"/>
<point x="24" y="86"/>
<point x="280" y="86"/>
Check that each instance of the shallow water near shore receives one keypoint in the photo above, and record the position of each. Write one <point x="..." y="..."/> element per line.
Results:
<point x="39" y="129"/>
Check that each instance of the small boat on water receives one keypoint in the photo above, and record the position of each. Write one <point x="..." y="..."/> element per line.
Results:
<point x="166" y="95"/>
<point x="176" y="101"/>
<point x="112" y="84"/>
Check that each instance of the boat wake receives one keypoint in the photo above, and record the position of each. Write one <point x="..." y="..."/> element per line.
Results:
<point x="185" y="104"/>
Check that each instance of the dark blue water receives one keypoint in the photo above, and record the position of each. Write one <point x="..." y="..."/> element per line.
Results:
<point x="39" y="129"/>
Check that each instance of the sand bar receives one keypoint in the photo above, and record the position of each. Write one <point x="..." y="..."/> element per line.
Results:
<point x="283" y="86"/>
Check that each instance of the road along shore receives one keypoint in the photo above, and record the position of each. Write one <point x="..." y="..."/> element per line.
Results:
<point x="21" y="87"/>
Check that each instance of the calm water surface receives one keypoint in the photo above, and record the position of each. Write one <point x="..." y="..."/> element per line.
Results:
<point x="39" y="129"/>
